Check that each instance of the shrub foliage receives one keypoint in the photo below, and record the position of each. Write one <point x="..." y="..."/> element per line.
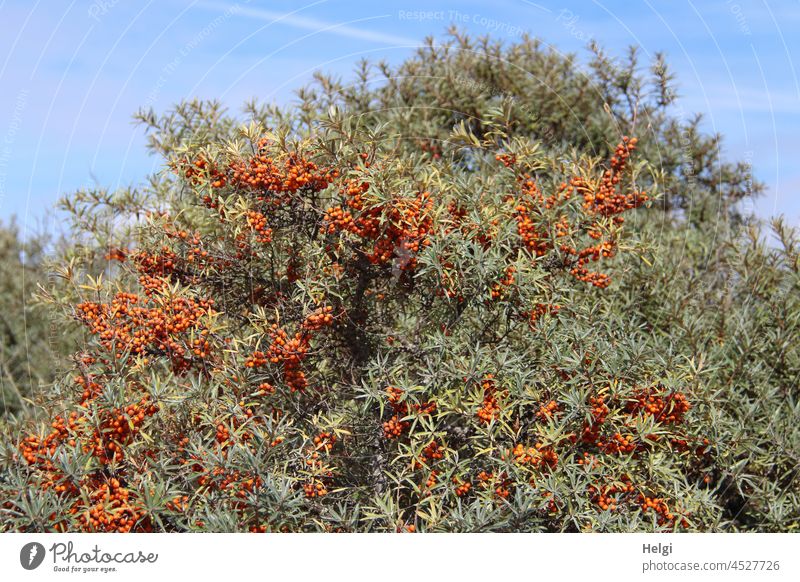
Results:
<point x="366" y="314"/>
<point x="32" y="340"/>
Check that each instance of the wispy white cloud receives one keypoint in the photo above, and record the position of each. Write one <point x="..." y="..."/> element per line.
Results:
<point x="293" y="19"/>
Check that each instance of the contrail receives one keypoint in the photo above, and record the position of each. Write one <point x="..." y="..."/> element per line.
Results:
<point x="305" y="23"/>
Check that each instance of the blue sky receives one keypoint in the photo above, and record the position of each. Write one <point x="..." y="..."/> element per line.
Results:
<point x="73" y="73"/>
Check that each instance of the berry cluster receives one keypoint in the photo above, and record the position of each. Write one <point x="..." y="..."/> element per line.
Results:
<point x="398" y="229"/>
<point x="267" y="174"/>
<point x="155" y="269"/>
<point x="534" y="231"/>
<point x="315" y="488"/>
<point x="258" y="223"/>
<point x="320" y="473"/>
<point x="669" y="409"/>
<point x="606" y="199"/>
<point x="617" y="444"/>
<point x="289" y="352"/>
<point x="115" y="428"/>
<point x="499" y="289"/>
<point x="490" y="409"/>
<point x="118" y="427"/>
<point x="320" y="318"/>
<point x="117" y="254"/>
<point x="580" y="271"/>
<point x="111" y="508"/>
<point x="235" y="483"/>
<point x="500" y="484"/>
<point x="599" y="410"/>
<point x="547" y="410"/>
<point x="394" y="427"/>
<point x="431" y="481"/>
<point x="325" y="441"/>
<point x="533" y="240"/>
<point x="537" y="456"/>
<point x="659" y="506"/>
<point x="200" y="167"/>
<point x="89" y="388"/>
<point x="97" y="503"/>
<point x="623" y="492"/>
<point x="462" y="487"/>
<point x="608" y="497"/>
<point x="541" y="309"/>
<point x="155" y="326"/>
<point x="433" y="451"/>
<point x="507" y="160"/>
<point x="193" y="247"/>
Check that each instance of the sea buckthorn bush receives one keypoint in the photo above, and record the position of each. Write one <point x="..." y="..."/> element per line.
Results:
<point x="347" y="318"/>
<point x="34" y="345"/>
